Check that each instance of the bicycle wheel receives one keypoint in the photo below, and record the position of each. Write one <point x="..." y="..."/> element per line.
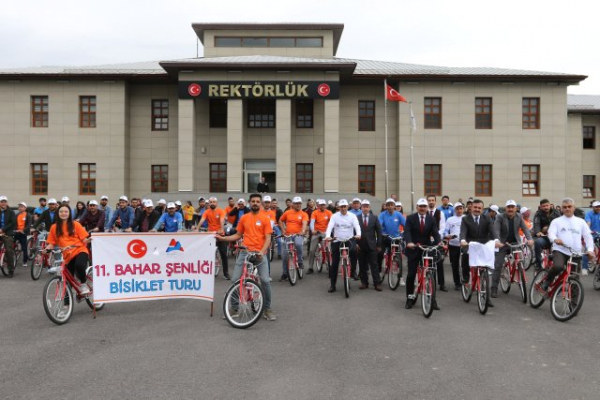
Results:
<point x="89" y="272"/>
<point x="30" y="246"/>
<point x="291" y="271"/>
<point x="567" y="300"/>
<point x="522" y="284"/>
<point x="272" y="248"/>
<point x="346" y="277"/>
<point x="18" y="253"/>
<point x="3" y="264"/>
<point x="536" y="295"/>
<point x="319" y="258"/>
<point x="242" y="310"/>
<point x="597" y="280"/>
<point x="58" y="300"/>
<point x="37" y="266"/>
<point x="483" y="291"/>
<point x="394" y="274"/>
<point x="428" y="295"/>
<point x="218" y="262"/>
<point x="465" y="289"/>
<point x="505" y="278"/>
<point x="527" y="257"/>
<point x="300" y="272"/>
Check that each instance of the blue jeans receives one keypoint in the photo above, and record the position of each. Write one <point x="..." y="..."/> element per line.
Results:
<point x="277" y="231"/>
<point x="298" y="241"/>
<point x="263" y="273"/>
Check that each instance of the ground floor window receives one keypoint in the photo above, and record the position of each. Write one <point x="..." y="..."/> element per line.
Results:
<point x="39" y="178"/>
<point x="160" y="178"/>
<point x="366" y="179"/>
<point x="589" y="186"/>
<point x="483" y="180"/>
<point x="87" y="179"/>
<point x="433" y="179"/>
<point x="218" y="178"/>
<point x="304" y="178"/>
<point x="531" y="180"/>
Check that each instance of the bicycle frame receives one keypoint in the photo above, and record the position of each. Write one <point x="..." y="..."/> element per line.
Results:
<point x="427" y="263"/>
<point x="391" y="252"/>
<point x="345" y="256"/>
<point x="561" y="281"/>
<point x="512" y="259"/>
<point x="325" y="249"/>
<point x="249" y="271"/>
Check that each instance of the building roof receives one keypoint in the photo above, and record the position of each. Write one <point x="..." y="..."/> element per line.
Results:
<point x="583" y="103"/>
<point x="125" y="69"/>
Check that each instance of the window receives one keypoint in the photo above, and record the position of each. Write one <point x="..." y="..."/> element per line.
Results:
<point x="261" y="113"/>
<point x="304" y="113"/>
<point x="433" y="179"/>
<point x="589" y="186"/>
<point x="309" y="42"/>
<point x="228" y="42"/>
<point x="483" y="113"/>
<point x="366" y="115"/>
<point x="531" y="113"/>
<point x="483" y="180"/>
<point x="87" y="111"/>
<point x="39" y="178"/>
<point x="366" y="179"/>
<point x="218" y="178"/>
<point x="282" y="42"/>
<point x="304" y="178"/>
<point x="531" y="180"/>
<point x="254" y="42"/>
<point x="218" y="113"/>
<point x="268" y="42"/>
<point x="160" y="115"/>
<point x="433" y="113"/>
<point x="87" y="179"/>
<point x="589" y="137"/>
<point x="39" y="112"/>
<point x="160" y="178"/>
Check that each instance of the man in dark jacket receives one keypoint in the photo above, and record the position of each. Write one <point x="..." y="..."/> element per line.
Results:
<point x="146" y="220"/>
<point x="238" y="211"/>
<point x="48" y="217"/>
<point x="541" y="222"/>
<point x="263" y="186"/>
<point x="8" y="222"/>
<point x="369" y="246"/>
<point x="93" y="219"/>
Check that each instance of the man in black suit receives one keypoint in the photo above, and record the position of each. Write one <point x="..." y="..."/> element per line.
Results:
<point x="420" y="227"/>
<point x="369" y="246"/>
<point x="475" y="227"/>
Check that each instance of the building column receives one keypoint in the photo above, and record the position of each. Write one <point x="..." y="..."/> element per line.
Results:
<point x="235" y="145"/>
<point x="332" y="146"/>
<point x="186" y="145"/>
<point x="283" y="137"/>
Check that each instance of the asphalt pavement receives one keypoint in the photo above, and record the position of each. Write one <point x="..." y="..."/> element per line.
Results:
<point x="322" y="346"/>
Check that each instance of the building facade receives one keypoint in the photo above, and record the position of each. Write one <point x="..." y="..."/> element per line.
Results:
<point x="273" y="100"/>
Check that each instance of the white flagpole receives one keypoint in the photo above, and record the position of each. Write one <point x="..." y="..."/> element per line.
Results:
<point x="412" y="160"/>
<point x="386" y="138"/>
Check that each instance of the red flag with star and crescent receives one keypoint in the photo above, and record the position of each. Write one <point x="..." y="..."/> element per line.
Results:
<point x="393" y="95"/>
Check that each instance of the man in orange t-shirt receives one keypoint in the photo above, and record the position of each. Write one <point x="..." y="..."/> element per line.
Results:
<point x="216" y="220"/>
<point x="23" y="226"/>
<point x="230" y="205"/>
<point x="293" y="222"/>
<point x="319" y="220"/>
<point x="256" y="230"/>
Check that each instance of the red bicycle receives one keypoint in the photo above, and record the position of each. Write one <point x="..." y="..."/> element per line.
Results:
<point x="41" y="258"/>
<point x="345" y="264"/>
<point x="58" y="292"/>
<point x="244" y="301"/>
<point x="480" y="282"/>
<point x="425" y="280"/>
<point x="293" y="269"/>
<point x="3" y="259"/>
<point x="566" y="291"/>
<point x="513" y="271"/>
<point x="323" y="253"/>
<point x="392" y="262"/>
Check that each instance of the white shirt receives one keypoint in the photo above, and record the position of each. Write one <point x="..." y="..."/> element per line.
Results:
<point x="453" y="228"/>
<point x="344" y="225"/>
<point x="442" y="220"/>
<point x="570" y="231"/>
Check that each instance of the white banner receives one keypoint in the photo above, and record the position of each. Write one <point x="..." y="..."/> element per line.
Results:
<point x="152" y="266"/>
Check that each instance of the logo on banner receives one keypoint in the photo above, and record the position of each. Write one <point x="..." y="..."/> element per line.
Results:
<point x="137" y="248"/>
<point x="324" y="90"/>
<point x="194" y="89"/>
<point x="174" y="247"/>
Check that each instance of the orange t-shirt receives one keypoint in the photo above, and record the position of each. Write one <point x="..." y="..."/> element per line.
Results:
<point x="529" y="226"/>
<point x="293" y="221"/>
<point x="21" y="220"/>
<point x="321" y="219"/>
<point x="65" y="240"/>
<point x="228" y="209"/>
<point x="214" y="218"/>
<point x="254" y="227"/>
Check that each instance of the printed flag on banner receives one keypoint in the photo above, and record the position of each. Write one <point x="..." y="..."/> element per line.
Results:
<point x="152" y="266"/>
<point x="393" y="95"/>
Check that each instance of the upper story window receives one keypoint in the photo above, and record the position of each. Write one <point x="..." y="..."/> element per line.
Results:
<point x="531" y="113"/>
<point x="230" y="41"/>
<point x="261" y="113"/>
<point x="87" y="111"/>
<point x="160" y="115"/>
<point x="433" y="113"/>
<point x="39" y="111"/>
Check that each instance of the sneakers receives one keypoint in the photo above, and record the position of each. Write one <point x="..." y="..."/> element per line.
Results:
<point x="226" y="277"/>
<point x="402" y="281"/>
<point x="269" y="315"/>
<point x="25" y="265"/>
<point x="85" y="290"/>
<point x="283" y="278"/>
<point x="584" y="272"/>
<point x="270" y="279"/>
<point x="309" y="271"/>
<point x="494" y="292"/>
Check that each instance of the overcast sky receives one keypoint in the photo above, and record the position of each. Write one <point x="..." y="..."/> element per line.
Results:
<point x="551" y="35"/>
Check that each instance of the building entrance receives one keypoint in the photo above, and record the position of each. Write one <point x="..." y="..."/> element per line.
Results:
<point x="254" y="170"/>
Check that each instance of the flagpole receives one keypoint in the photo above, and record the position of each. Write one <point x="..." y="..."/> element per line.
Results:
<point x="412" y="162"/>
<point x="386" y="137"/>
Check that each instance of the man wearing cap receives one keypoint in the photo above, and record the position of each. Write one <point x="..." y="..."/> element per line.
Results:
<point x="39" y="210"/>
<point x="592" y="218"/>
<point x="124" y="213"/>
<point x="93" y="219"/>
<point x="493" y="212"/>
<point x="49" y="217"/>
<point x="419" y="229"/>
<point x="446" y="207"/>
<point x="346" y="227"/>
<point x="452" y="235"/>
<point x="440" y="220"/>
<point x="541" y="222"/>
<point x="293" y="222"/>
<point x="161" y="206"/>
<point x="147" y="219"/>
<point x="172" y="221"/>
<point x="104" y="207"/>
<point x="369" y="246"/>
<point x="319" y="219"/>
<point x="331" y="206"/>
<point x="215" y="217"/>
<point x="23" y="226"/>
<point x="8" y="222"/>
<point x="507" y="230"/>
<point x="238" y="211"/>
<point x="390" y="221"/>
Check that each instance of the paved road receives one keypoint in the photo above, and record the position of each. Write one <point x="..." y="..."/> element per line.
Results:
<point x="322" y="346"/>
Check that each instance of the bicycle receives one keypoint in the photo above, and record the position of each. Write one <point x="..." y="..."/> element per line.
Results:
<point x="271" y="251"/>
<point x="593" y="263"/>
<point x="392" y="262"/>
<point x="218" y="261"/>
<point x="58" y="291"/>
<point x="566" y="292"/>
<point x="3" y="259"/>
<point x="292" y="259"/>
<point x="425" y="279"/>
<point x="513" y="271"/>
<point x="41" y="258"/>
<point x="244" y="304"/>
<point x="345" y="264"/>
<point x="528" y="255"/>
<point x="479" y="280"/>
<point x="323" y="254"/>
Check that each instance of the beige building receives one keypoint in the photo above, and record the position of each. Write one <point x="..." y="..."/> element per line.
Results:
<point x="274" y="100"/>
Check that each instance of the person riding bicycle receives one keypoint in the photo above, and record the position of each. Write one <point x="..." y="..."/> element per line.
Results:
<point x="23" y="225"/>
<point x="8" y="222"/>
<point x="125" y="213"/>
<point x="345" y="224"/>
<point x="215" y="217"/>
<point x="93" y="219"/>
<point x="592" y="218"/>
<point x="255" y="227"/>
<point x="66" y="233"/>
<point x="390" y="221"/>
<point x="293" y="222"/>
<point x="172" y="221"/>
<point x="541" y="221"/>
<point x="319" y="219"/>
<point x="507" y="227"/>
<point x="569" y="231"/>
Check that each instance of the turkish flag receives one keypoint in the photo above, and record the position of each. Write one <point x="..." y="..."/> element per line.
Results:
<point x="393" y="95"/>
